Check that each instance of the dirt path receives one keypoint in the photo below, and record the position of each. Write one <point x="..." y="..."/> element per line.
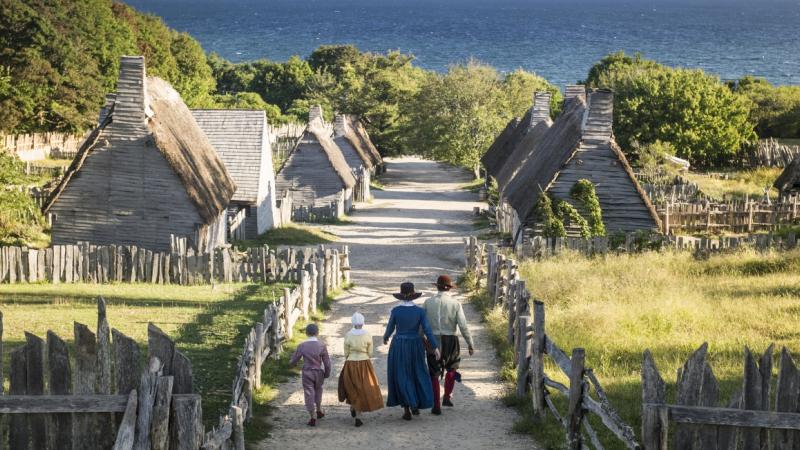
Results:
<point x="412" y="231"/>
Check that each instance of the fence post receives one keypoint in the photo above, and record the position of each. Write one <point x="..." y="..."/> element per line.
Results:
<point x="537" y="360"/>
<point x="575" y="412"/>
<point x="654" y="416"/>
<point x="522" y="355"/>
<point x="313" y="285"/>
<point x="287" y="314"/>
<point x="305" y="292"/>
<point x="258" y="350"/>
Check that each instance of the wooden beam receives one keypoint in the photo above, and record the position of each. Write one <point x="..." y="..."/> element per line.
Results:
<point x="50" y="404"/>
<point x="704" y="415"/>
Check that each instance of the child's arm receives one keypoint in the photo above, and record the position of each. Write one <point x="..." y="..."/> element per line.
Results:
<point x="295" y="357"/>
<point x="346" y="347"/>
<point x="326" y="360"/>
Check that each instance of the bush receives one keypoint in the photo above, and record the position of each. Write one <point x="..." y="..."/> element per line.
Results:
<point x="700" y="116"/>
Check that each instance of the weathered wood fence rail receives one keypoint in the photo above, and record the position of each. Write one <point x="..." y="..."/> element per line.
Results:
<point x="265" y="338"/>
<point x="752" y="418"/>
<point x="331" y="211"/>
<point x="532" y="344"/>
<point x="84" y="400"/>
<point x="744" y="216"/>
<point x="111" y="263"/>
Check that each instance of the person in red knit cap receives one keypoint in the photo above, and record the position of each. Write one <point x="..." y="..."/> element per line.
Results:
<point x="444" y="315"/>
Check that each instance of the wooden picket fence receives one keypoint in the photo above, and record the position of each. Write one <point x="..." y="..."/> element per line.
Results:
<point x="181" y="265"/>
<point x="100" y="397"/>
<point x="770" y="153"/>
<point x="542" y="247"/>
<point x="330" y="212"/>
<point x="745" y="216"/>
<point x="584" y="392"/>
<point x="751" y="419"/>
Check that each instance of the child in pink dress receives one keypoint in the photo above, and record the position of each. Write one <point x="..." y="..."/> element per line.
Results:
<point x="316" y="367"/>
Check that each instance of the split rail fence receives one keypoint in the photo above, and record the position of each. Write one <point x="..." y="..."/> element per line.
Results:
<point x="532" y="344"/>
<point x="752" y="418"/>
<point x="181" y="265"/>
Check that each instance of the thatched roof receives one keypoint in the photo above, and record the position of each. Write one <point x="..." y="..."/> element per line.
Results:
<point x="366" y="142"/>
<point x="343" y="129"/>
<point x="239" y="137"/>
<point x="175" y="134"/>
<point x="316" y="130"/>
<point x="539" y="124"/>
<point x="504" y="143"/>
<point x="789" y="180"/>
<point x="582" y="127"/>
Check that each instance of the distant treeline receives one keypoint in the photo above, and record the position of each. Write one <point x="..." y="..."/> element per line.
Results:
<point x="59" y="59"/>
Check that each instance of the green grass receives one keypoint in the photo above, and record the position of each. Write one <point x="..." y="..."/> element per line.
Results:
<point x="618" y="306"/>
<point x="208" y="324"/>
<point x="376" y="184"/>
<point x="474" y="185"/>
<point x="739" y="183"/>
<point x="293" y="234"/>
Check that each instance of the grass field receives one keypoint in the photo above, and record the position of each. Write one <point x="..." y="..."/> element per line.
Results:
<point x="618" y="306"/>
<point x="208" y="324"/>
<point x="292" y="234"/>
<point x="738" y="183"/>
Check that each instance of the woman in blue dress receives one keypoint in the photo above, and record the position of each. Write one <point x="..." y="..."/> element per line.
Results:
<point x="408" y="382"/>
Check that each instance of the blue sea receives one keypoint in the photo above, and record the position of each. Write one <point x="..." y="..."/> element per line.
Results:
<point x="559" y="40"/>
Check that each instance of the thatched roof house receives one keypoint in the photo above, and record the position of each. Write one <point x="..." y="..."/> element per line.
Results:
<point x="356" y="153"/>
<point x="503" y="145"/>
<point x="580" y="145"/>
<point x="789" y="180"/>
<point x="539" y="124"/>
<point x="315" y="173"/>
<point x="146" y="172"/>
<point x="240" y="138"/>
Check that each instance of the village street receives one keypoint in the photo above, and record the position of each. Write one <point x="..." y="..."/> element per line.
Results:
<point x="412" y="231"/>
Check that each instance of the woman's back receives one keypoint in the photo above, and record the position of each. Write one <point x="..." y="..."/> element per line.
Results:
<point x="407" y="319"/>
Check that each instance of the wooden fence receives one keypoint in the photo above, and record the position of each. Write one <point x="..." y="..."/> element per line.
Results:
<point x="770" y="153"/>
<point x="744" y="216"/>
<point x="751" y="419"/>
<point x="330" y="212"/>
<point x="236" y="224"/>
<point x="283" y="210"/>
<point x="99" y="397"/>
<point x="111" y="263"/>
<point x="541" y="247"/>
<point x="584" y="393"/>
<point x="31" y="147"/>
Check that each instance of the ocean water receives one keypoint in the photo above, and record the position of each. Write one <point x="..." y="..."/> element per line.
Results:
<point x="559" y="40"/>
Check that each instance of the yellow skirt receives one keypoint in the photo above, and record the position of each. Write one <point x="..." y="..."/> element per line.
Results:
<point x="358" y="386"/>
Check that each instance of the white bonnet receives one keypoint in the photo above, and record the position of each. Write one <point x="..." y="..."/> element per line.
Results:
<point x="358" y="319"/>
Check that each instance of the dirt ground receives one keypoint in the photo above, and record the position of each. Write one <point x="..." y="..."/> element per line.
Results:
<point x="412" y="231"/>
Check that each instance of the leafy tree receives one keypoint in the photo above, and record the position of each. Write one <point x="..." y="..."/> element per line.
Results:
<point x="520" y="86"/>
<point x="249" y="100"/>
<point x="334" y="58"/>
<point x="689" y="109"/>
<point x="455" y="117"/>
<point x="775" y="110"/>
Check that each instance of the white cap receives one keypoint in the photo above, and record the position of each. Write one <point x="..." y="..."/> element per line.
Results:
<point x="358" y="319"/>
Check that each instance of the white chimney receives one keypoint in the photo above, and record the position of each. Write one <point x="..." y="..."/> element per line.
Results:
<point x="340" y="126"/>
<point x="541" y="108"/>
<point x="131" y="98"/>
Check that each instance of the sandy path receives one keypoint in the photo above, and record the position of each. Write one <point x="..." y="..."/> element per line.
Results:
<point x="412" y="231"/>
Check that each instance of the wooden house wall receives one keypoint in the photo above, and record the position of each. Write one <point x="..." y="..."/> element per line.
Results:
<point x="309" y="177"/>
<point x="622" y="206"/>
<point x="126" y="193"/>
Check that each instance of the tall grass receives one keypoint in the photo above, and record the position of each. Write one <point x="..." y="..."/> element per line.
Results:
<point x="617" y="306"/>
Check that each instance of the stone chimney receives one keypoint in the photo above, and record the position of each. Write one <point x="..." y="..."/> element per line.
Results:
<point x="315" y="113"/>
<point x="541" y="108"/>
<point x="598" y="119"/>
<point x="340" y="126"/>
<point x="131" y="96"/>
<point x="574" y="90"/>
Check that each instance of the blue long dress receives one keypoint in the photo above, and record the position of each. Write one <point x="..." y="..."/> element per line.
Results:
<point x="408" y="381"/>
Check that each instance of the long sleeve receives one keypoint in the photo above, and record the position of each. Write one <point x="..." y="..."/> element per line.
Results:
<point x="462" y="326"/>
<point x="347" y="346"/>
<point x="326" y="360"/>
<point x="389" y="327"/>
<point x="369" y="347"/>
<point x="295" y="357"/>
<point x="426" y="327"/>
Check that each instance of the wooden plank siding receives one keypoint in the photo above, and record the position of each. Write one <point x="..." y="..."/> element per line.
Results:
<point x="309" y="176"/>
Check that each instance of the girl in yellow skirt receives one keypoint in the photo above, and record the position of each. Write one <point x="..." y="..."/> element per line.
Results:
<point x="358" y="385"/>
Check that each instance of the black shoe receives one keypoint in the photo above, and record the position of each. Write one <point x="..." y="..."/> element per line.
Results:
<point x="352" y="412"/>
<point x="407" y="414"/>
<point x="359" y="422"/>
<point x="415" y="412"/>
<point x="446" y="402"/>
<point x="436" y="411"/>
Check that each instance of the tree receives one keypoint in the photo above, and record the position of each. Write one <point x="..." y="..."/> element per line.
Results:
<point x="249" y="100"/>
<point x="774" y="110"/>
<point x="455" y="117"/>
<point x="519" y="87"/>
<point x="694" y="112"/>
